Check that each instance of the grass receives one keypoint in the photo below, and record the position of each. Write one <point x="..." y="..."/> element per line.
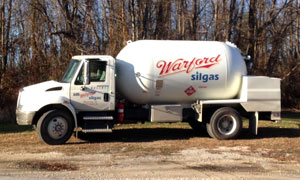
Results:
<point x="289" y="120"/>
<point x="153" y="125"/>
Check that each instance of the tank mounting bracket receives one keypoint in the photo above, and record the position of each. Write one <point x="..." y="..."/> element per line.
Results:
<point x="198" y="108"/>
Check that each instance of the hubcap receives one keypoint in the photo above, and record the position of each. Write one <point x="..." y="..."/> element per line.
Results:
<point x="57" y="127"/>
<point x="226" y="125"/>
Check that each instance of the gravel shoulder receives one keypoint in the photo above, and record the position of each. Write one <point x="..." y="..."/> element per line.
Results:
<point x="152" y="153"/>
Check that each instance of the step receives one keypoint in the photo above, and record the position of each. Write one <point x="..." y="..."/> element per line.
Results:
<point x="97" y="130"/>
<point x="98" y="118"/>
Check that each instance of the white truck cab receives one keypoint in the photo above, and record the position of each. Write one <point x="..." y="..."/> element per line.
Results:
<point x="87" y="86"/>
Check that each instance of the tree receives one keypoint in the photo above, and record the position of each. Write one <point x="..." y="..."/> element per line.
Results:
<point x="5" y="25"/>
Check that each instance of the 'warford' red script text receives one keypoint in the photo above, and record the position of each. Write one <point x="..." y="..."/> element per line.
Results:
<point x="182" y="65"/>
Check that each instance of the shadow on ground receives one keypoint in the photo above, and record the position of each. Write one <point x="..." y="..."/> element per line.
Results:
<point x="141" y="135"/>
<point x="290" y="115"/>
<point x="268" y="132"/>
<point x="14" y="128"/>
<point x="150" y="135"/>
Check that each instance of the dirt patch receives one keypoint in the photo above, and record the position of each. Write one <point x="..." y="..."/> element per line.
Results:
<point x="234" y="168"/>
<point x="48" y="166"/>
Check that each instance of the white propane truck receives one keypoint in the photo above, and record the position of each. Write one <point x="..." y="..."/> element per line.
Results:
<point x="204" y="83"/>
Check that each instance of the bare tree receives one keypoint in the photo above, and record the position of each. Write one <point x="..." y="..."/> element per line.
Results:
<point x="5" y="24"/>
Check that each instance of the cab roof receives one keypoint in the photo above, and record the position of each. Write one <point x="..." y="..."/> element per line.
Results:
<point x="83" y="57"/>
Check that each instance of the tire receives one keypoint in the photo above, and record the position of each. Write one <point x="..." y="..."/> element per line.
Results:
<point x="55" y="127"/>
<point x="225" y="123"/>
<point x="209" y="131"/>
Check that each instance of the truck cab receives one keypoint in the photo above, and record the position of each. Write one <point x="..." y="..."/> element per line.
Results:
<point x="84" y="97"/>
<point x="92" y="83"/>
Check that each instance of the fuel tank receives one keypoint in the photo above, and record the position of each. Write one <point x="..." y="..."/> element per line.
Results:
<point x="166" y="72"/>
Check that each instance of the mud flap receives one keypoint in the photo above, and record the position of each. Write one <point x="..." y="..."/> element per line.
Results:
<point x="253" y="123"/>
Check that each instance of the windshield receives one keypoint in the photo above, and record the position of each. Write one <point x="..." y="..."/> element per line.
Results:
<point x="68" y="76"/>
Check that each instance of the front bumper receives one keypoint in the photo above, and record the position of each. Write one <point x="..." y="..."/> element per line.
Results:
<point x="24" y="118"/>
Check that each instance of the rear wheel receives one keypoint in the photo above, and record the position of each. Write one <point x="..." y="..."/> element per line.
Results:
<point x="225" y="123"/>
<point x="55" y="127"/>
<point x="209" y="131"/>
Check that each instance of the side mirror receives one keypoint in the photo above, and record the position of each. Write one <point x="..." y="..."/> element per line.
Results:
<point x="86" y="79"/>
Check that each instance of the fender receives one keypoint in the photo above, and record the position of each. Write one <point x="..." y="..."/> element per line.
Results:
<point x="68" y="105"/>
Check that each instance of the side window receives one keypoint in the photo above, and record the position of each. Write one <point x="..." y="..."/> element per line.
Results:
<point x="97" y="71"/>
<point x="79" y="78"/>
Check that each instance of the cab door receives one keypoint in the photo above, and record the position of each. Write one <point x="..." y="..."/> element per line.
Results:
<point x="99" y="93"/>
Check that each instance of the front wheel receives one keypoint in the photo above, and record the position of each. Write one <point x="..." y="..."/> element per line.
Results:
<point x="55" y="127"/>
<point x="225" y="123"/>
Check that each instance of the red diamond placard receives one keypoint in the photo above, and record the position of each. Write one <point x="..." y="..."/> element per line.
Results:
<point x="189" y="91"/>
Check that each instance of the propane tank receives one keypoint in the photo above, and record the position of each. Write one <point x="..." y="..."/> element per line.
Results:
<point x="159" y="71"/>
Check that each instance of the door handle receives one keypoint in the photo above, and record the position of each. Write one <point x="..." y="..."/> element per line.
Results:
<point x="106" y="97"/>
<point x="82" y="88"/>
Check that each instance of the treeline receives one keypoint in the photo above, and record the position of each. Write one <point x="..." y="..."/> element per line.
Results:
<point x="38" y="37"/>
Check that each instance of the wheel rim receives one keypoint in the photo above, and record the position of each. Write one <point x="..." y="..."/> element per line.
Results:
<point x="57" y="127"/>
<point x="227" y="125"/>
